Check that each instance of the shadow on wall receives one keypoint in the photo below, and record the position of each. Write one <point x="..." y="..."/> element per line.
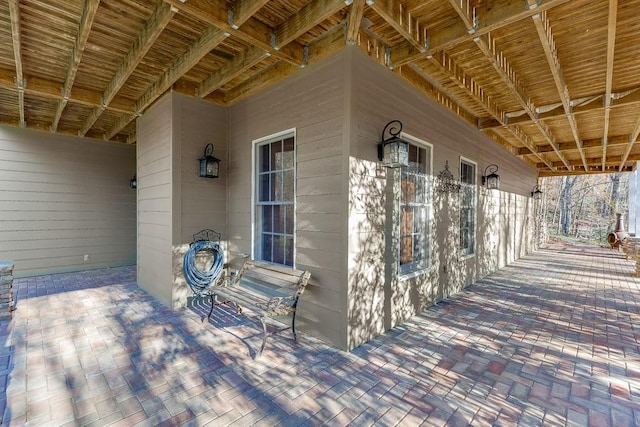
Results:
<point x="489" y="236"/>
<point x="366" y="267"/>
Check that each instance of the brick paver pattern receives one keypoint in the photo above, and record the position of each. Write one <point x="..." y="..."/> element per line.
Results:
<point x="551" y="339"/>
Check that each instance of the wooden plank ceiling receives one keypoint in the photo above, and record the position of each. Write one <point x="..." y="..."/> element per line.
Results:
<point x="556" y="82"/>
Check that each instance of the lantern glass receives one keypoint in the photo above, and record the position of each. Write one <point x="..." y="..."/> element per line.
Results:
<point x="209" y="165"/>
<point x="493" y="181"/>
<point x="396" y="154"/>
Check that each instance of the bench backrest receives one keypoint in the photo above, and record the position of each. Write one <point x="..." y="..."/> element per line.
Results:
<point x="273" y="278"/>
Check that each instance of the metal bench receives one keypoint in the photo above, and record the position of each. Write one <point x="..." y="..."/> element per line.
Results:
<point x="265" y="291"/>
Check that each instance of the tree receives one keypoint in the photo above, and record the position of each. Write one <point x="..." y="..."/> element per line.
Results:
<point x="566" y="196"/>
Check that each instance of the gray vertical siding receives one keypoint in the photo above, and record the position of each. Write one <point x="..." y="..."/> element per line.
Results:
<point x="62" y="198"/>
<point x="155" y="200"/>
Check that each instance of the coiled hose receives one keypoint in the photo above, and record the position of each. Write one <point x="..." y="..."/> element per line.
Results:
<point x="197" y="279"/>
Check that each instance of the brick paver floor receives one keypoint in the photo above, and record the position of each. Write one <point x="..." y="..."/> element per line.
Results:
<point x="550" y="340"/>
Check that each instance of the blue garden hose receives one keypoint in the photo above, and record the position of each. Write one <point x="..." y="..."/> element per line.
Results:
<point x="198" y="280"/>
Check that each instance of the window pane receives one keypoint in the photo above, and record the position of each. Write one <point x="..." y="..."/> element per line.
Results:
<point x="276" y="186"/>
<point x="278" y="249"/>
<point x="264" y="192"/>
<point x="288" y="186"/>
<point x="263" y="161"/>
<point x="276" y="155"/>
<point x="278" y="218"/>
<point x="289" y="253"/>
<point x="267" y="253"/>
<point x="406" y="253"/>
<point x="406" y="222"/>
<point x="287" y="155"/>
<point x="267" y="218"/>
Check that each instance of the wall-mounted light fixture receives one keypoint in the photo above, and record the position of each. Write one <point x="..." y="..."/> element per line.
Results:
<point x="536" y="193"/>
<point x="393" y="151"/>
<point x="133" y="183"/>
<point x="491" y="180"/>
<point x="209" y="165"/>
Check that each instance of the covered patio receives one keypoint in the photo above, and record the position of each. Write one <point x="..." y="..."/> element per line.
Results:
<point x="550" y="339"/>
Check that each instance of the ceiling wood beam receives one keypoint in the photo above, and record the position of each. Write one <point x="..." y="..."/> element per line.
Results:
<point x="617" y="140"/>
<point x="159" y="19"/>
<point x="19" y="83"/>
<point x="253" y="31"/>
<point x="633" y="138"/>
<point x="502" y="66"/>
<point x="356" y="11"/>
<point x="594" y="104"/>
<point x="401" y="20"/>
<point x="595" y="163"/>
<point x="307" y="18"/>
<point x="490" y="17"/>
<point x="243" y="10"/>
<point x="611" y="47"/>
<point x="49" y="89"/>
<point x="447" y="66"/>
<point x="522" y="136"/>
<point x="417" y="78"/>
<point x="319" y="49"/>
<point x="543" y="27"/>
<point x="466" y="13"/>
<point x="211" y="38"/>
<point x="229" y="71"/>
<point x="86" y="21"/>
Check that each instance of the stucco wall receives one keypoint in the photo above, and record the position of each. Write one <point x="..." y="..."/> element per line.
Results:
<point x="62" y="198"/>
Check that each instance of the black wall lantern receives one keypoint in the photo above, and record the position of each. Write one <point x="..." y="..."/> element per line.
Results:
<point x="209" y="165"/>
<point x="393" y="151"/>
<point x="492" y="180"/>
<point x="536" y="193"/>
<point x="133" y="183"/>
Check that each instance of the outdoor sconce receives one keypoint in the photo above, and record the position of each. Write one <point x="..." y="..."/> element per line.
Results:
<point x="393" y="151"/>
<point x="492" y="180"/>
<point x="536" y="193"/>
<point x="209" y="165"/>
<point x="134" y="182"/>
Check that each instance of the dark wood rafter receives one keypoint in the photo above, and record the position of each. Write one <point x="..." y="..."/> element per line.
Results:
<point x="19" y="83"/>
<point x="308" y="17"/>
<point x="494" y="64"/>
<point x="543" y="27"/>
<point x="489" y="19"/>
<point x="401" y="20"/>
<point x="252" y="32"/>
<point x="611" y="47"/>
<point x="243" y="10"/>
<point x="356" y="11"/>
<point x="205" y="44"/>
<point x="86" y="21"/>
<point x="633" y="138"/>
<point x="159" y="19"/>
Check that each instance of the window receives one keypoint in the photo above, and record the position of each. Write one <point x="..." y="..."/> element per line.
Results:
<point x="415" y="209"/>
<point x="274" y="200"/>
<point x="467" y="207"/>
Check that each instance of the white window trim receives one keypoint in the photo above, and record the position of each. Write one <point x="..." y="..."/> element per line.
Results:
<point x="475" y="211"/>
<point x="429" y="220"/>
<point x="254" y="144"/>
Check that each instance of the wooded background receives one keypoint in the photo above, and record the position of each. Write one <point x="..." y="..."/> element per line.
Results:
<point x="584" y="206"/>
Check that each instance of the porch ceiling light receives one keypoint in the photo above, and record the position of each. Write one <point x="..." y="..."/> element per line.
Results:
<point x="133" y="183"/>
<point x="536" y="193"/>
<point x="491" y="180"/>
<point x="393" y="151"/>
<point x="209" y="165"/>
